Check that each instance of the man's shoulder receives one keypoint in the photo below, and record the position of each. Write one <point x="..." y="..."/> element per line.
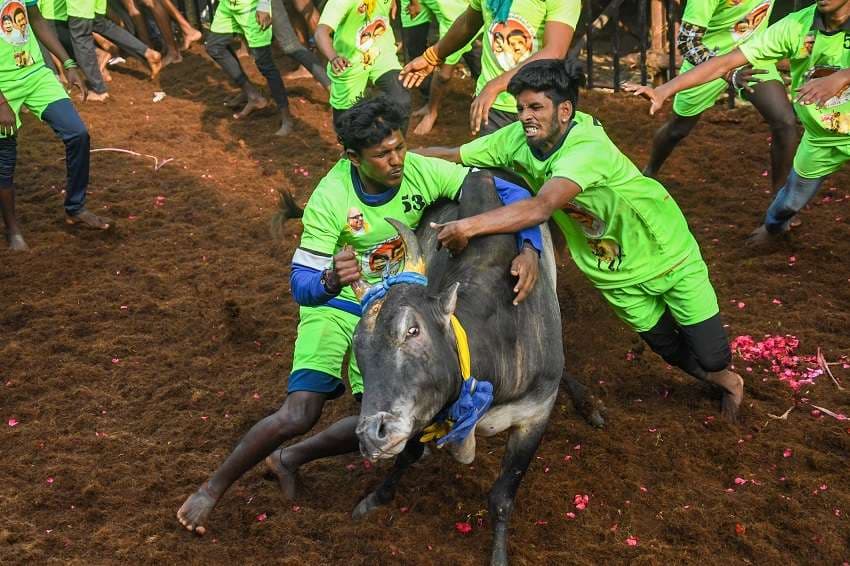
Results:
<point x="335" y="182"/>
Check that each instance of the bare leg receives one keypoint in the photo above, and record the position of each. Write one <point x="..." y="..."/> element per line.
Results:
<point x="733" y="386"/>
<point x="103" y="58"/>
<point x="138" y="21"/>
<point x="299" y="413"/>
<point x="13" y="232"/>
<point x="309" y="12"/>
<point x="339" y="438"/>
<point x="172" y="54"/>
<point x="666" y="139"/>
<point x="190" y="34"/>
<point x="438" y="89"/>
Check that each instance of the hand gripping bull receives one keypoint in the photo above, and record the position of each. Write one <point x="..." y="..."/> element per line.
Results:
<point x="407" y="351"/>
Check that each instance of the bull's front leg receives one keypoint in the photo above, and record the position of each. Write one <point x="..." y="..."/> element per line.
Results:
<point x="522" y="445"/>
<point x="386" y="491"/>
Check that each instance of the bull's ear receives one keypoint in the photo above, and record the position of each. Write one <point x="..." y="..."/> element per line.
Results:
<point x="448" y="300"/>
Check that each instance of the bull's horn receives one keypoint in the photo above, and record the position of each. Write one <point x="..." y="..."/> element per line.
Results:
<point x="413" y="258"/>
<point x="360" y="287"/>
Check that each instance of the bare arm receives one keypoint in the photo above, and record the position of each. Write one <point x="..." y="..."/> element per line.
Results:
<point x="556" y="41"/>
<point x="45" y="35"/>
<point x="447" y="153"/>
<point x="325" y="43"/>
<point x="554" y="195"/>
<point x="462" y="31"/>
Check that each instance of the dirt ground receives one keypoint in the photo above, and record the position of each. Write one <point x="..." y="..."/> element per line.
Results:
<point x="132" y="361"/>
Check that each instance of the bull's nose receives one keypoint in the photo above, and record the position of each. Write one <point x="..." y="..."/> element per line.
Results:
<point x="381" y="434"/>
<point x="375" y="426"/>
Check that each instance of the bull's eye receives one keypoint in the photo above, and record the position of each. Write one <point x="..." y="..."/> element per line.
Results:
<point x="413" y="331"/>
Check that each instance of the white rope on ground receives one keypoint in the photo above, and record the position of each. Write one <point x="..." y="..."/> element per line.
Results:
<point x="156" y="166"/>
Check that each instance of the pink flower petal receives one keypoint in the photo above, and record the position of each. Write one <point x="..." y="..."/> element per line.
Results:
<point x="49" y="481"/>
<point x="463" y="528"/>
<point x="262" y="517"/>
<point x="776" y="302"/>
<point x="740" y="481"/>
<point x="787" y="453"/>
<point x="741" y="304"/>
<point x="632" y="541"/>
<point x="13" y="422"/>
<point x="570" y="515"/>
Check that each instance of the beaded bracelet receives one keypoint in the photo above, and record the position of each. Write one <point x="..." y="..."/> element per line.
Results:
<point x="70" y="64"/>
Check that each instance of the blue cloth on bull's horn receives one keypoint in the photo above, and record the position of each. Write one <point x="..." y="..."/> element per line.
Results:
<point x="379" y="290"/>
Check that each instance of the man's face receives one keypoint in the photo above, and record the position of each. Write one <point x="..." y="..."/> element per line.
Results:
<point x="830" y="7"/>
<point x="355" y="219"/>
<point x="20" y="20"/>
<point x="541" y="120"/>
<point x="7" y="25"/>
<point x="383" y="163"/>
<point x="517" y="43"/>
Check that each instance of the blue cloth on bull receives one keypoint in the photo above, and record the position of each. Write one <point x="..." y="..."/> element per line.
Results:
<point x="474" y="400"/>
<point x="379" y="290"/>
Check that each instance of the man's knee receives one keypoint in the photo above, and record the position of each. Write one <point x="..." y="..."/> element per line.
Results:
<point x="264" y="60"/>
<point x="216" y="45"/>
<point x="679" y="128"/>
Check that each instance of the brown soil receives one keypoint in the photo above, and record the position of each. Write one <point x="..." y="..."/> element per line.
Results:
<point x="134" y="360"/>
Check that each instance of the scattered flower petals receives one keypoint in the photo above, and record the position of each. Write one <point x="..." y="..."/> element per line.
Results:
<point x="116" y="361"/>
<point x="569" y="515"/>
<point x="741" y="304"/>
<point x="540" y="522"/>
<point x="581" y="501"/>
<point x="367" y="465"/>
<point x="404" y="509"/>
<point x="823" y="487"/>
<point x="630" y="356"/>
<point x="740" y="529"/>
<point x="632" y="541"/>
<point x="49" y="481"/>
<point x="740" y="481"/>
<point x="203" y="418"/>
<point x="13" y="422"/>
<point x="643" y="489"/>
<point x="351" y="467"/>
<point x="463" y="527"/>
<point x="787" y="453"/>
<point x="296" y="508"/>
<point x="776" y="302"/>
<point x="262" y="517"/>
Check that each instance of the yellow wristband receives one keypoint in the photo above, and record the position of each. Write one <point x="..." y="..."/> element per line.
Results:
<point x="431" y="57"/>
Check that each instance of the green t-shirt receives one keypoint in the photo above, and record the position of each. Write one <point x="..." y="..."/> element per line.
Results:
<point x="728" y="22"/>
<point x="86" y="9"/>
<point x="20" y="55"/>
<point x="364" y="38"/>
<point x="509" y="43"/>
<point x="339" y="213"/>
<point x="813" y="53"/>
<point x="622" y="228"/>
<point x="53" y="10"/>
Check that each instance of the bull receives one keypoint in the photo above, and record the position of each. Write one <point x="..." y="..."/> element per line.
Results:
<point x="407" y="351"/>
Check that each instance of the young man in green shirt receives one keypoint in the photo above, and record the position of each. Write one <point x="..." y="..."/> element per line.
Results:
<point x="26" y="81"/>
<point x="624" y="230"/>
<point x="251" y="19"/>
<point x="816" y="41"/>
<point x="356" y="37"/>
<point x="709" y="29"/>
<point x="345" y="238"/>
<point x="515" y="33"/>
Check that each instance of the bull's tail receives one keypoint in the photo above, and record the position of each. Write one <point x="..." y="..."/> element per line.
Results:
<point x="286" y="208"/>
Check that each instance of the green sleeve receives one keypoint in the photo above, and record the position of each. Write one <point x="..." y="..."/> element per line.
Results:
<point x="699" y="12"/>
<point x="475" y="5"/>
<point x="564" y="11"/>
<point x="488" y="151"/>
<point x="321" y="228"/>
<point x="334" y="12"/>
<point x="583" y="165"/>
<point x="446" y="177"/>
<point x="777" y="42"/>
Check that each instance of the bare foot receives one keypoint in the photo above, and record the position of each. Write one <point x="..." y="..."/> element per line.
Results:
<point x="191" y="37"/>
<point x="88" y="219"/>
<point x="760" y="237"/>
<point x="286" y="124"/>
<point x="195" y="511"/>
<point x="426" y="124"/>
<point x="171" y="57"/>
<point x="95" y="97"/>
<point x="795" y="221"/>
<point x="155" y="61"/>
<point x="237" y="101"/>
<point x="299" y="73"/>
<point x="103" y="58"/>
<point x="17" y="243"/>
<point x="253" y="105"/>
<point x="733" y="394"/>
<point x="287" y="478"/>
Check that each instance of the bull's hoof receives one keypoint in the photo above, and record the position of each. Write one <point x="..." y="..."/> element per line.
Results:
<point x="596" y="420"/>
<point x="366" y="506"/>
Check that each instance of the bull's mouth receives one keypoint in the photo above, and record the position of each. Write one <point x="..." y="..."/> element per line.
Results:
<point x="383" y="435"/>
<point x="375" y="453"/>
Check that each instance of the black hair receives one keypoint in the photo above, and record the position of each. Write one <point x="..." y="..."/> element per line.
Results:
<point x="19" y="11"/>
<point x="559" y="79"/>
<point x="369" y="122"/>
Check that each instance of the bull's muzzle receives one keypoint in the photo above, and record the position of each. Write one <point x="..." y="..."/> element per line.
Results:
<point x="383" y="435"/>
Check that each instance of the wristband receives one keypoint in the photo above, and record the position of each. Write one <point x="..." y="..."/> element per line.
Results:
<point x="431" y="57"/>
<point x="70" y="64"/>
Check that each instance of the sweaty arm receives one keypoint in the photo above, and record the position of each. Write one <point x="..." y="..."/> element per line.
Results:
<point x="460" y="33"/>
<point x="448" y="153"/>
<point x="554" y="195"/>
<point x="45" y="34"/>
<point x="325" y="42"/>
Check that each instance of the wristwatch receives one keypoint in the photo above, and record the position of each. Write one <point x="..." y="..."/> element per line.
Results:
<point x="329" y="282"/>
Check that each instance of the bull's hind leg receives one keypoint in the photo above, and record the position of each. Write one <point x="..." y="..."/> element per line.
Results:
<point x="588" y="406"/>
<point x="522" y="445"/>
<point x="386" y="491"/>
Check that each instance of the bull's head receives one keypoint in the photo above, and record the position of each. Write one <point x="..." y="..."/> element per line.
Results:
<point x="405" y="349"/>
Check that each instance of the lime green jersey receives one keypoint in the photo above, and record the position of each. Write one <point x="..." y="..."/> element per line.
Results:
<point x="622" y="228"/>
<point x="362" y="31"/>
<point x="728" y="22"/>
<point x="801" y="37"/>
<point x="339" y="213"/>
<point x="20" y="55"/>
<point x="508" y="43"/>
<point x="86" y="9"/>
<point x="53" y="10"/>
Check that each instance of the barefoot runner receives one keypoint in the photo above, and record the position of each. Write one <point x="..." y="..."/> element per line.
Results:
<point x="26" y="81"/>
<point x="816" y="41"/>
<point x="446" y="12"/>
<point x="515" y="32"/>
<point x="251" y="19"/>
<point x="625" y="232"/>
<point x="356" y="38"/>
<point x="86" y="17"/>
<point x="710" y="28"/>
<point x="345" y="238"/>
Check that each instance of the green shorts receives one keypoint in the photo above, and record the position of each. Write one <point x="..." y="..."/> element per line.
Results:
<point x="35" y="91"/>
<point x="698" y="99"/>
<point x="423" y="17"/>
<point x="349" y="86"/>
<point x="324" y="338"/>
<point x="226" y="21"/>
<point x="685" y="290"/>
<point x="816" y="161"/>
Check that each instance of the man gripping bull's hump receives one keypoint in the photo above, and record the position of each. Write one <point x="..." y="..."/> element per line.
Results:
<point x="624" y="230"/>
<point x="345" y="239"/>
